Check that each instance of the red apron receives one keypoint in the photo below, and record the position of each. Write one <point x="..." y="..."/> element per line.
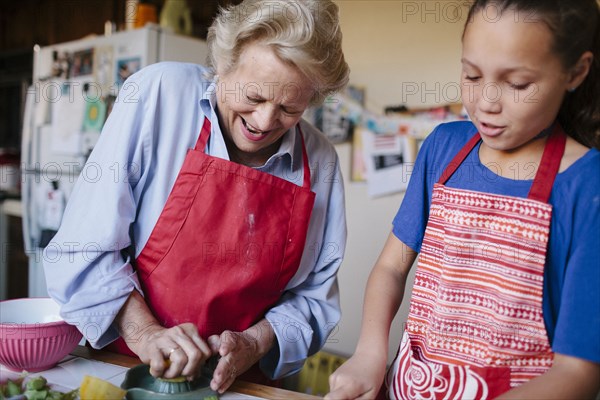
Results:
<point x="226" y="244"/>
<point x="475" y="327"/>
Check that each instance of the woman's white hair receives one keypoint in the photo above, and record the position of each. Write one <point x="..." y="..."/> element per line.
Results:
<point x="304" y="33"/>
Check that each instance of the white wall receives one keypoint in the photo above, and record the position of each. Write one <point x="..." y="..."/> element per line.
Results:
<point x="392" y="47"/>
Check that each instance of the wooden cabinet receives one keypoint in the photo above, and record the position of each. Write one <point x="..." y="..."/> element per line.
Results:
<point x="17" y="261"/>
<point x="14" y="264"/>
<point x="24" y="23"/>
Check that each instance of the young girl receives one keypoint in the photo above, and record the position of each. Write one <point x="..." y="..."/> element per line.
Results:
<point x="504" y="212"/>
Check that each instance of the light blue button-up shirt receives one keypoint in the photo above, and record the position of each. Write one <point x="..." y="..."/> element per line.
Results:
<point x="125" y="185"/>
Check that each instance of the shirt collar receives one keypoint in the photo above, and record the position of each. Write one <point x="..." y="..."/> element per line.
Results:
<point x="209" y="98"/>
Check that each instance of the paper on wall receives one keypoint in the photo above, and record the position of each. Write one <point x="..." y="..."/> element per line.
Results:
<point x="385" y="160"/>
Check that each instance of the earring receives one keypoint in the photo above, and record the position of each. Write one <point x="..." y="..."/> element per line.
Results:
<point x="571" y="90"/>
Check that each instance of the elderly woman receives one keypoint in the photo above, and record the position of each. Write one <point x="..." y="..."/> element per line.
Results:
<point x="217" y="224"/>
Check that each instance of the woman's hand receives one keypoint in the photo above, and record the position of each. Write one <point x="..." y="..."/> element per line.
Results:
<point x="358" y="378"/>
<point x="172" y="352"/>
<point x="239" y="351"/>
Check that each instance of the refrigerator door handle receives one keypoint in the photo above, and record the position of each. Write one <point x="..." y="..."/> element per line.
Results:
<point x="27" y="168"/>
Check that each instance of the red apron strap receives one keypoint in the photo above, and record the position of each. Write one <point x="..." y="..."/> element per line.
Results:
<point x="306" y="183"/>
<point x="459" y="158"/>
<point x="205" y="134"/>
<point x="544" y="178"/>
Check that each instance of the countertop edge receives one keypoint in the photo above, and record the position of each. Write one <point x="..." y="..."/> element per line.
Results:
<point x="247" y="388"/>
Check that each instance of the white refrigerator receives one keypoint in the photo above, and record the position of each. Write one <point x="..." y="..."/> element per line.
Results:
<point x="74" y="87"/>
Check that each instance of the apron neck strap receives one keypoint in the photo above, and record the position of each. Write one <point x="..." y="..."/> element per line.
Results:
<point x="553" y="153"/>
<point x="306" y="183"/>
<point x="459" y="158"/>
<point x="205" y="134"/>
<point x="548" y="168"/>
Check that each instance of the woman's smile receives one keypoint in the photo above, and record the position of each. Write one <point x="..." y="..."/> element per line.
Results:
<point x="251" y="133"/>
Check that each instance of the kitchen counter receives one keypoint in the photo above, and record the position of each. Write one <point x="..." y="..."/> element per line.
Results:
<point x="112" y="367"/>
<point x="13" y="281"/>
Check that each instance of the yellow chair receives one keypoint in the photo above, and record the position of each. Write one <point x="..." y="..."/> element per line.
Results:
<point x="314" y="376"/>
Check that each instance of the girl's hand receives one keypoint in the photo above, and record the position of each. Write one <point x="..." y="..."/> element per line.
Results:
<point x="358" y="378"/>
<point x="172" y="352"/>
<point x="239" y="351"/>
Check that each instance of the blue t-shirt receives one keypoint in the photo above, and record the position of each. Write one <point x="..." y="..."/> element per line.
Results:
<point x="571" y="301"/>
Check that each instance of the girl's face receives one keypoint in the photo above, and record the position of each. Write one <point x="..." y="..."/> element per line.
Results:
<point x="258" y="102"/>
<point x="512" y="83"/>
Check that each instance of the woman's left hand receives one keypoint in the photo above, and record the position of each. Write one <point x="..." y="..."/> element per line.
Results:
<point x="239" y="351"/>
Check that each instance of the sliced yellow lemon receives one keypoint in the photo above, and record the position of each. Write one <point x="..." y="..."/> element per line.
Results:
<point x="93" y="388"/>
<point x="179" y="379"/>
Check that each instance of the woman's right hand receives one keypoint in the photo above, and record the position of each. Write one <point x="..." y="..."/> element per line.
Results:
<point x="172" y="352"/>
<point x="358" y="378"/>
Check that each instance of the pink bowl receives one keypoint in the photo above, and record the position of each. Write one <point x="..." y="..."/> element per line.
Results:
<point x="33" y="337"/>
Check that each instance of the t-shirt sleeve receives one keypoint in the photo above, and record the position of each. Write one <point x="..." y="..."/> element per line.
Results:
<point x="577" y="331"/>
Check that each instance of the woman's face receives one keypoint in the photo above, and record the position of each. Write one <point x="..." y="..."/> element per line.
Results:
<point x="258" y="102"/>
<point x="512" y="83"/>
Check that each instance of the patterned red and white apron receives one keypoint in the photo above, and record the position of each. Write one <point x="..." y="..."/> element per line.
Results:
<point x="475" y="327"/>
<point x="226" y="244"/>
